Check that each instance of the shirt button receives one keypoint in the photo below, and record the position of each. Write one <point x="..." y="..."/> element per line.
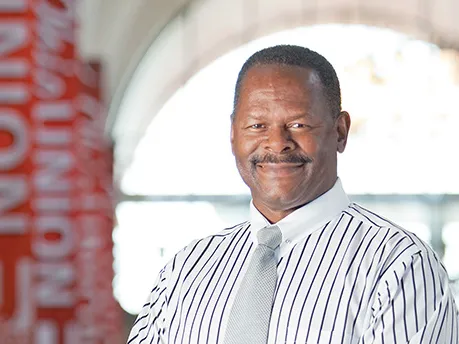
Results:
<point x="288" y="241"/>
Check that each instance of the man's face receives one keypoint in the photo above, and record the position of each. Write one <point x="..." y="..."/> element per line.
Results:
<point x="285" y="139"/>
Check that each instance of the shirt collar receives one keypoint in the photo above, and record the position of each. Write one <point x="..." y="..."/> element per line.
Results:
<point x="304" y="220"/>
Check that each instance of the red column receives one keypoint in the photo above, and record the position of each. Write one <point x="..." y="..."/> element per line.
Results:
<point x="17" y="310"/>
<point x="55" y="184"/>
<point x="99" y="315"/>
<point x="54" y="175"/>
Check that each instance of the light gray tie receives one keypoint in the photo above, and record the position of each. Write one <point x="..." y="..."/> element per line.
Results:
<point x="249" y="318"/>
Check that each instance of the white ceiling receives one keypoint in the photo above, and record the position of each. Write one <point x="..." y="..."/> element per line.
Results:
<point x="120" y="31"/>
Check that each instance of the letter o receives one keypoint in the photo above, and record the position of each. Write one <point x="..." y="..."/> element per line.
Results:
<point x="54" y="249"/>
<point x="12" y="122"/>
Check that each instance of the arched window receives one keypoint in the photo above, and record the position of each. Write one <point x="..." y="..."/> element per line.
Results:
<point x="403" y="97"/>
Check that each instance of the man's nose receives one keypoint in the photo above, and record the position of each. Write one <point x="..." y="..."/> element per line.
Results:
<point x="279" y="140"/>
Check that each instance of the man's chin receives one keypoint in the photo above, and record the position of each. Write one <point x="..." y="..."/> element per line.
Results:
<point x="278" y="203"/>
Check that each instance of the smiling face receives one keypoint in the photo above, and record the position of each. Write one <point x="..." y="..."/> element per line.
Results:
<point x="285" y="138"/>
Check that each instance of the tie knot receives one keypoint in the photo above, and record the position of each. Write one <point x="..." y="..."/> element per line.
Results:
<point x="270" y="237"/>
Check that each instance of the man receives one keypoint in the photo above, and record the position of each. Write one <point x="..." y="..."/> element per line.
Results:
<point x="309" y="266"/>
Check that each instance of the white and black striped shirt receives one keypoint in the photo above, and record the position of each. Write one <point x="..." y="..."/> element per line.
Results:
<point x="345" y="275"/>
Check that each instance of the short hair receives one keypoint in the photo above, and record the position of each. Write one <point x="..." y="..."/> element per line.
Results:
<point x="293" y="55"/>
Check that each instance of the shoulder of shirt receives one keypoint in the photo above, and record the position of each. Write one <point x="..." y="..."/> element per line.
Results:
<point x="224" y="233"/>
<point x="412" y="244"/>
<point x="201" y="245"/>
<point x="400" y="248"/>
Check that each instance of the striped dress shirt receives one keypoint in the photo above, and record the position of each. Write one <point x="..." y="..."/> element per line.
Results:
<point x="345" y="275"/>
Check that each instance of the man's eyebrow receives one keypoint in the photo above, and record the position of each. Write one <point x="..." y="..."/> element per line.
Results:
<point x="302" y="114"/>
<point x="299" y="116"/>
<point x="254" y="115"/>
<point x="258" y="115"/>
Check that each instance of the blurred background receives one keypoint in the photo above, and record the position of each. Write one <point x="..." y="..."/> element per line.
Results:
<point x="151" y="97"/>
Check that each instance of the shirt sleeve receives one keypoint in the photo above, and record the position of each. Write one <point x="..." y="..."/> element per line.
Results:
<point x="149" y="326"/>
<point x="414" y="303"/>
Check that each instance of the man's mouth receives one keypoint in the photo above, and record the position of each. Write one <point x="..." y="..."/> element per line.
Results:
<point x="284" y="161"/>
<point x="279" y="169"/>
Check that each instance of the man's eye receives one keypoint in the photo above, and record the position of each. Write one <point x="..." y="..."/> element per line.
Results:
<point x="299" y="126"/>
<point x="256" y="126"/>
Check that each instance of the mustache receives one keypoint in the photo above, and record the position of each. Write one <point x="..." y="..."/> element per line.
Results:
<point x="274" y="159"/>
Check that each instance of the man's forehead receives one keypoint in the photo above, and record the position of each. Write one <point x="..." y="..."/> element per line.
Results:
<point x="264" y="76"/>
<point x="299" y="74"/>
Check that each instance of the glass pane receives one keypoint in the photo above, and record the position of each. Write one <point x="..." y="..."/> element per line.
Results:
<point x="149" y="234"/>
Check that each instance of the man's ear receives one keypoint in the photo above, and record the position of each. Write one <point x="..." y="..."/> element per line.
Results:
<point x="232" y="135"/>
<point x="232" y="138"/>
<point x="343" y="125"/>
